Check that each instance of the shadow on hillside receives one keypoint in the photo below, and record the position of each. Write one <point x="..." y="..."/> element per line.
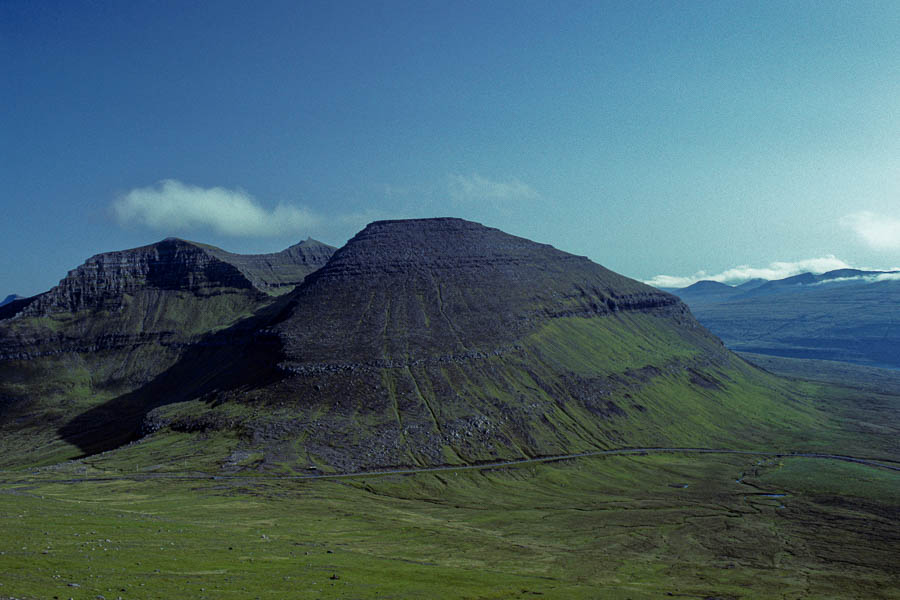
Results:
<point x="232" y="359"/>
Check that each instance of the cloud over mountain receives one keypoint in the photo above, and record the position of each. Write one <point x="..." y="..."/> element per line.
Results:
<point x="775" y="270"/>
<point x="171" y="206"/>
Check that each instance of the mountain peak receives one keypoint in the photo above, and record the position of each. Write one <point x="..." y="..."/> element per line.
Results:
<point x="708" y="285"/>
<point x="175" y="264"/>
<point x="430" y="286"/>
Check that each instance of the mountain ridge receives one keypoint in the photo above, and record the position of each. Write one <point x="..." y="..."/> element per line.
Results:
<point x="11" y="298"/>
<point x="844" y="315"/>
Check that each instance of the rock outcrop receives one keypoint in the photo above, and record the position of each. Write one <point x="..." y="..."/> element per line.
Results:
<point x="104" y="280"/>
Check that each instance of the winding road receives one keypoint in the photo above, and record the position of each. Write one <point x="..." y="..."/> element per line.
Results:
<point x="488" y="465"/>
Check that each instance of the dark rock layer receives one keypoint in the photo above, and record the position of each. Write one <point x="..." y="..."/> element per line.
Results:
<point x="172" y="264"/>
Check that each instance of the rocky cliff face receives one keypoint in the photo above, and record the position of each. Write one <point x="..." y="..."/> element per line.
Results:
<point x="173" y="265"/>
<point x="103" y="280"/>
<point x="166" y="295"/>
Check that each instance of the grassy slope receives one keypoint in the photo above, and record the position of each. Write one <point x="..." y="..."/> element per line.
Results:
<point x="618" y="527"/>
<point x="599" y="527"/>
<point x="574" y="385"/>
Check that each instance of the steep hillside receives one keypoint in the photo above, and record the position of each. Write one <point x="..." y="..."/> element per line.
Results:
<point x="117" y="322"/>
<point x="442" y="341"/>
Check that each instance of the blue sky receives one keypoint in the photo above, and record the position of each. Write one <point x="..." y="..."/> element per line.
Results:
<point x="657" y="138"/>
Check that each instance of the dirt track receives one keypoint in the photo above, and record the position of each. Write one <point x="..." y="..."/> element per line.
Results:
<point x="25" y="479"/>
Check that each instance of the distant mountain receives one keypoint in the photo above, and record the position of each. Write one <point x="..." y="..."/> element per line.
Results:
<point x="751" y="284"/>
<point x="707" y="291"/>
<point x="846" y="314"/>
<point x="10" y="298"/>
<point x="420" y="342"/>
<point x="803" y="280"/>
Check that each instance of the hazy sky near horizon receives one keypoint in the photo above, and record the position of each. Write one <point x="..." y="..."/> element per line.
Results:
<point x="657" y="138"/>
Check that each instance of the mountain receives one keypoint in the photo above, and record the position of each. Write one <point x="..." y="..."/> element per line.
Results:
<point x="280" y="272"/>
<point x="421" y="342"/>
<point x="122" y="318"/>
<point x="167" y="292"/>
<point x="846" y="314"/>
<point x="751" y="284"/>
<point x="440" y="341"/>
<point x="707" y="291"/>
<point x="10" y="298"/>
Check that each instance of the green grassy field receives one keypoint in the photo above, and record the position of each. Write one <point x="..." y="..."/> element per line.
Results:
<point x="614" y="527"/>
<point x="872" y="379"/>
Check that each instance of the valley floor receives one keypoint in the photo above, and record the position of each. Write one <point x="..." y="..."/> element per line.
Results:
<point x="690" y="526"/>
<point x="127" y="524"/>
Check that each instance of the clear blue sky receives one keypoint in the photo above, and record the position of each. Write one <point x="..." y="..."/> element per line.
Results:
<point x="653" y="137"/>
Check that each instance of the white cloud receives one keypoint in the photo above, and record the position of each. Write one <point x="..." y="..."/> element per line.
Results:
<point x="888" y="276"/>
<point x="475" y="188"/>
<point x="878" y="231"/>
<point x="775" y="270"/>
<point x="172" y="206"/>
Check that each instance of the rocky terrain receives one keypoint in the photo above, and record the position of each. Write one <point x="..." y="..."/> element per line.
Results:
<point x="279" y="272"/>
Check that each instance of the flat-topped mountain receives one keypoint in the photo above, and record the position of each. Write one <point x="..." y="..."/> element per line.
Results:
<point x="402" y="290"/>
<point x="419" y="342"/>
<point x="441" y="340"/>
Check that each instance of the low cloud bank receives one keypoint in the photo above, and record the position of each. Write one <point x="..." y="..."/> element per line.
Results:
<point x="879" y="232"/>
<point x="887" y="276"/>
<point x="740" y="274"/>
<point x="172" y="206"/>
